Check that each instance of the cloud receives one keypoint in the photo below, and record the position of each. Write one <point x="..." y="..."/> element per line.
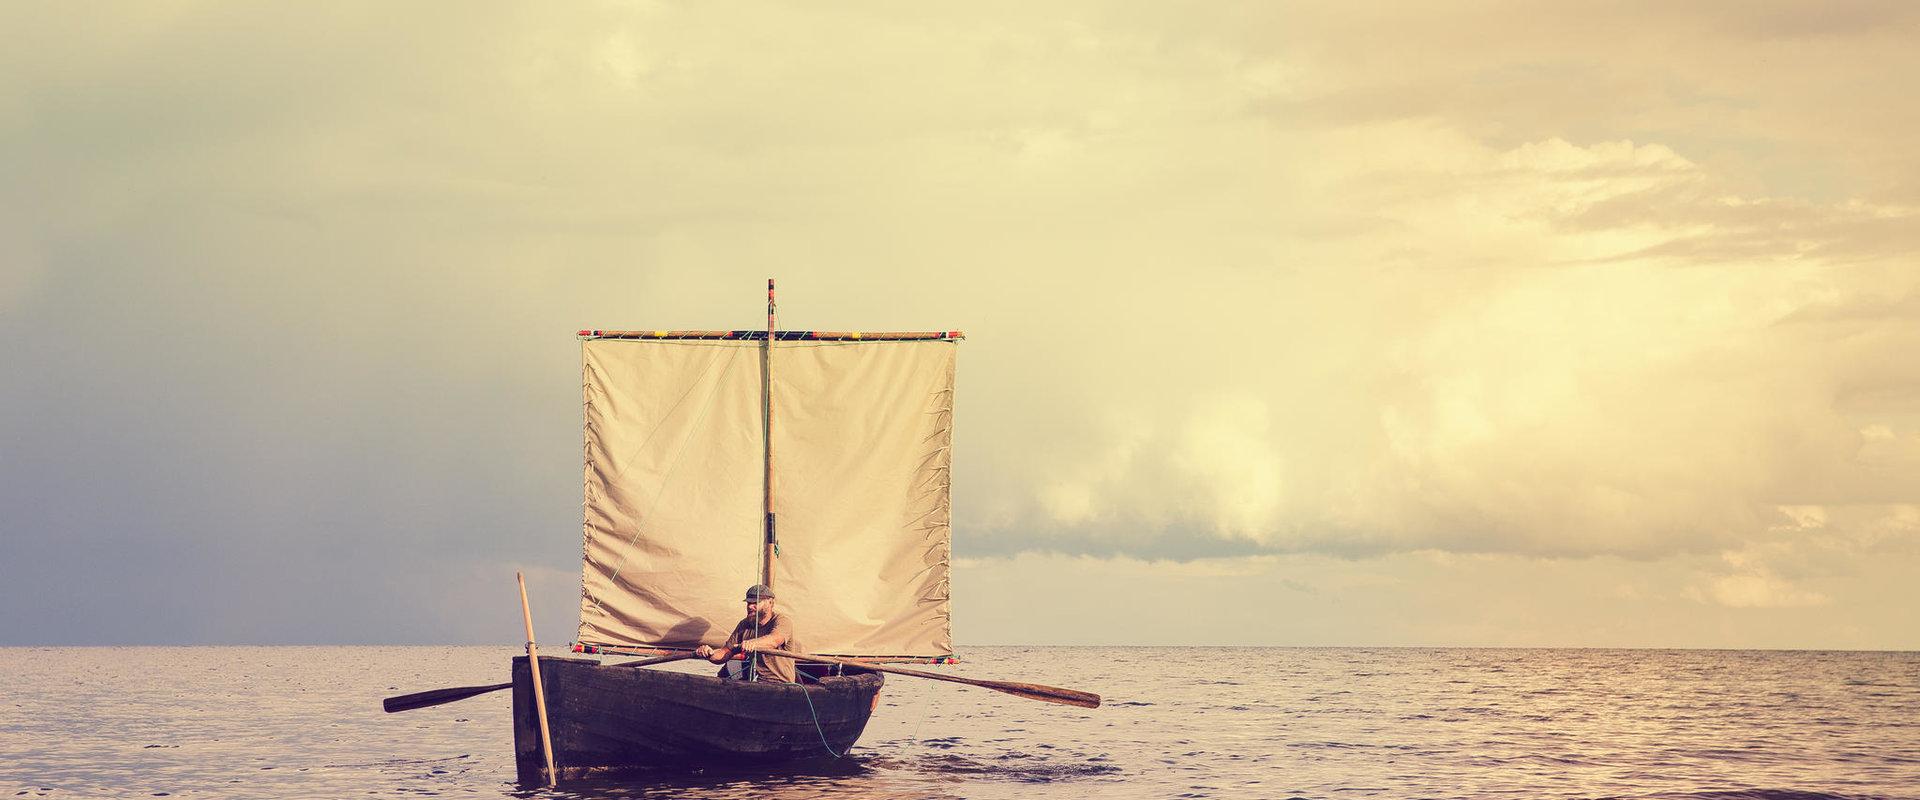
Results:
<point x="1761" y="591"/>
<point x="1541" y="402"/>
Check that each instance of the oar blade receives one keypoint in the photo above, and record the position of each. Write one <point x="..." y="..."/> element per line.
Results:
<point x="435" y="697"/>
<point x="1046" y="694"/>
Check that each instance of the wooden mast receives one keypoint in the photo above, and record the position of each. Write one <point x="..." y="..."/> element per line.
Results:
<point x="766" y="428"/>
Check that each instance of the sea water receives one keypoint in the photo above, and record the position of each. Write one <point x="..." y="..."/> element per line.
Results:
<point x="287" y="722"/>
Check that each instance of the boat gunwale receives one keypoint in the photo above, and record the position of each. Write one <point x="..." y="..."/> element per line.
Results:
<point x="829" y="683"/>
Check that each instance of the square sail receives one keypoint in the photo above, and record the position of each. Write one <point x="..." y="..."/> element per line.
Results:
<point x="674" y="446"/>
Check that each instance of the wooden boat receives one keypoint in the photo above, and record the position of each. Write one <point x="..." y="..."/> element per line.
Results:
<point x="606" y="719"/>
<point x="682" y="493"/>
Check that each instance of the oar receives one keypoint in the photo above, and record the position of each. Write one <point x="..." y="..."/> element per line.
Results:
<point x="1030" y="691"/>
<point x="435" y="697"/>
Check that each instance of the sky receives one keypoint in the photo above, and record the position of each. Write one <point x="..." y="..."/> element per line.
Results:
<point x="1475" y="324"/>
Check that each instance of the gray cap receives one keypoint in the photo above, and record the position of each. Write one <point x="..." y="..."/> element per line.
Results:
<point x="759" y="591"/>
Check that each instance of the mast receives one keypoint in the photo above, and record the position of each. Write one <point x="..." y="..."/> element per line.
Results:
<point x="766" y="428"/>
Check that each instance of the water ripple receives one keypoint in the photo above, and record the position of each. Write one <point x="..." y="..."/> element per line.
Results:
<point x="1308" y="723"/>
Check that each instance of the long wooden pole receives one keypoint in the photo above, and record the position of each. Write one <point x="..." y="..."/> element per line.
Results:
<point x="435" y="697"/>
<point x="766" y="428"/>
<point x="1030" y="691"/>
<point x="539" y="691"/>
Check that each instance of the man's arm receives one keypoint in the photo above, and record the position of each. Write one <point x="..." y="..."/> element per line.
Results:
<point x="719" y="655"/>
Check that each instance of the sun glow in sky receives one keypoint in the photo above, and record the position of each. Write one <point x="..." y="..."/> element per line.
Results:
<point x="1486" y="324"/>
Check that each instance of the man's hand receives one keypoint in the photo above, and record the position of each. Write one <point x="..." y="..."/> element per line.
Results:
<point x="704" y="651"/>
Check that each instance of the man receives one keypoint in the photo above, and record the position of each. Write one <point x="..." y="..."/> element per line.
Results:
<point x="761" y="629"/>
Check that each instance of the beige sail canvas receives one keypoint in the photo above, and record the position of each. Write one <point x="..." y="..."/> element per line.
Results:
<point x="673" y="532"/>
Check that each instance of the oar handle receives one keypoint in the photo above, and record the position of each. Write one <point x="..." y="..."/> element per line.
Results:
<point x="1030" y="691"/>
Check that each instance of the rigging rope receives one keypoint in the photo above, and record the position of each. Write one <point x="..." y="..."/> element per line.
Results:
<point x="816" y="716"/>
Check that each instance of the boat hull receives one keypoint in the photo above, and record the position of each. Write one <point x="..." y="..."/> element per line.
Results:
<point x="610" y="718"/>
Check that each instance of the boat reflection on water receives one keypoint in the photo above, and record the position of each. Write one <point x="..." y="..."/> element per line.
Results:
<point x="855" y="776"/>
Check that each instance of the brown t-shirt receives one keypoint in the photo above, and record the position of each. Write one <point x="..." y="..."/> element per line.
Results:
<point x="769" y="668"/>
